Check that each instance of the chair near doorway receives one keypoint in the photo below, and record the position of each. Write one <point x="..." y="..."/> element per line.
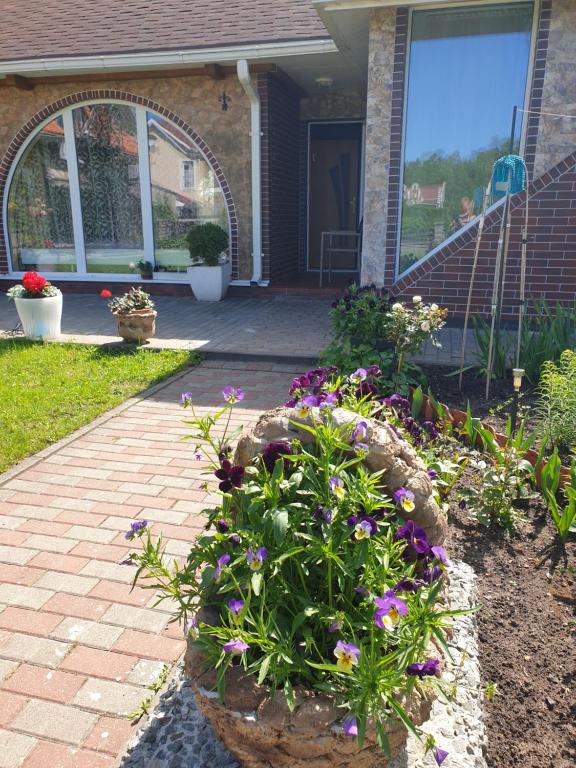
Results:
<point x="340" y="242"/>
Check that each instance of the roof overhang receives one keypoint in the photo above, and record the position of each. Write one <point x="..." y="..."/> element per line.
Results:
<point x="66" y="65"/>
<point x="343" y="5"/>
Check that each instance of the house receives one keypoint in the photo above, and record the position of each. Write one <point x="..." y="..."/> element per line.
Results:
<point x="124" y="124"/>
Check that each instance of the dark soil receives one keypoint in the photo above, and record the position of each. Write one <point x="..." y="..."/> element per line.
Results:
<point x="527" y="636"/>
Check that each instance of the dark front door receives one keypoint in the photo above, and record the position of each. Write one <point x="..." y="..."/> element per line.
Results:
<point x="333" y="186"/>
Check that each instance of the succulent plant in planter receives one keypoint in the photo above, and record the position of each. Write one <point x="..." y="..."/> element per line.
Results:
<point x="135" y="314"/>
<point x="312" y="602"/>
<point x="39" y="306"/>
<point x="146" y="269"/>
<point x="211" y="270"/>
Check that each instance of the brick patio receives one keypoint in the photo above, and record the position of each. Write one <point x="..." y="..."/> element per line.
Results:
<point x="78" y="648"/>
<point x="291" y="327"/>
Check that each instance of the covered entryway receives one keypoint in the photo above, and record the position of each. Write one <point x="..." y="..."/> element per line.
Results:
<point x="334" y="192"/>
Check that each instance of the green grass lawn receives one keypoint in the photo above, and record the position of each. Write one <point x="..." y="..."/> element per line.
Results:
<point x="49" y="390"/>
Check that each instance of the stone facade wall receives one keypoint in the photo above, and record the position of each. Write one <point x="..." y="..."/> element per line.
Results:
<point x="557" y="135"/>
<point x="381" y="60"/>
<point x="193" y="99"/>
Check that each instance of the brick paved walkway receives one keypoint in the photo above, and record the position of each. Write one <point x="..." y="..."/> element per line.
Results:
<point x="77" y="647"/>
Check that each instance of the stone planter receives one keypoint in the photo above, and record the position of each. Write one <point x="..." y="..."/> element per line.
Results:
<point x="210" y="283"/>
<point x="40" y="318"/>
<point x="137" y="326"/>
<point x="261" y="732"/>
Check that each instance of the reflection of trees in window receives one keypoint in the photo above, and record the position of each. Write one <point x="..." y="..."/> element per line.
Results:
<point x="107" y="151"/>
<point x="39" y="214"/>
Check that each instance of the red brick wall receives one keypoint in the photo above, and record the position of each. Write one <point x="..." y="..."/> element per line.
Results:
<point x="551" y="252"/>
<point x="280" y="102"/>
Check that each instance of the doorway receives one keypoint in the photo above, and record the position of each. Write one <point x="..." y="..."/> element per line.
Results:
<point x="334" y="186"/>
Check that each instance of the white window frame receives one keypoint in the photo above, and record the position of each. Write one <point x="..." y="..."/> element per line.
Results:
<point x="75" y="199"/>
<point x="526" y="105"/>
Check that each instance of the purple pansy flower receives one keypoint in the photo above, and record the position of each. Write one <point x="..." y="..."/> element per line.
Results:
<point x="329" y="401"/>
<point x="222" y="562"/>
<point x="361" y="591"/>
<point x="186" y="399"/>
<point x="235" y="605"/>
<point x="415" y="537"/>
<point x="304" y="406"/>
<point x="358" y="376"/>
<point x="365" y="528"/>
<point x="432" y="474"/>
<point x="347" y="655"/>
<point x="439" y="755"/>
<point x="440" y="554"/>
<point x="233" y="394"/>
<point x="229" y="476"/>
<point x="336" y="485"/>
<point x="359" y="431"/>
<point x="350" y="726"/>
<point x="405" y="499"/>
<point x="256" y="559"/>
<point x="191" y="628"/>
<point x="234" y="539"/>
<point x="222" y="526"/>
<point x="335" y="626"/>
<point x="136" y="528"/>
<point x="432" y="574"/>
<point x="274" y="451"/>
<point x="128" y="561"/>
<point x="236" y="646"/>
<point x="390" y="609"/>
<point x="406" y="585"/>
<point x="198" y="454"/>
<point x="421" y="669"/>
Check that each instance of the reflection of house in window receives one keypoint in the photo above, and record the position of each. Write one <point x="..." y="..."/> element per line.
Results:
<point x="432" y="195"/>
<point x="188" y="176"/>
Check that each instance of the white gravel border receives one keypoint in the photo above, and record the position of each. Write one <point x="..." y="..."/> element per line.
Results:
<point x="176" y="735"/>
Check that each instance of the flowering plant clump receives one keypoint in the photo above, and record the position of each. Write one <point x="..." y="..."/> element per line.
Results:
<point x="409" y="326"/>
<point x="318" y="578"/>
<point x="133" y="300"/>
<point x="33" y="286"/>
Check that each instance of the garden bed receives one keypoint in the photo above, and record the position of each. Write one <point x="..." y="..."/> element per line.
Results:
<point x="526" y="636"/>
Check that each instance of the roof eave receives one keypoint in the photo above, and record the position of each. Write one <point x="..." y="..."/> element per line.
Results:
<point x="161" y="59"/>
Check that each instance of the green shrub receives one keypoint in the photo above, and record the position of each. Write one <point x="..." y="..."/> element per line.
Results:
<point x="557" y="404"/>
<point x="207" y="242"/>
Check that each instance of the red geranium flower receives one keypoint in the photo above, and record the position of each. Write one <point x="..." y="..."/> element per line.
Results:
<point x="33" y="282"/>
<point x="105" y="293"/>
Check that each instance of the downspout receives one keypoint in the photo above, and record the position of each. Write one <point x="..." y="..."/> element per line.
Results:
<point x="255" y="133"/>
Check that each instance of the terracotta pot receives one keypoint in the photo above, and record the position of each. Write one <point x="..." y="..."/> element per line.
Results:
<point x="261" y="732"/>
<point x="137" y="326"/>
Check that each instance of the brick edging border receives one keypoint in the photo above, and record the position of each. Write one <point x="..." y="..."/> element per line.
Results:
<point x="114" y="95"/>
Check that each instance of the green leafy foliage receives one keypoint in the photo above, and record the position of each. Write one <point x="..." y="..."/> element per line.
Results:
<point x="564" y="518"/>
<point x="131" y="301"/>
<point x="557" y="401"/>
<point x="207" y="242"/>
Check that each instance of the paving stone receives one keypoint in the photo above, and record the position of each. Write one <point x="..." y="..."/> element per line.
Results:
<point x="136" y="618"/>
<point x="73" y="605"/>
<point x="94" y="662"/>
<point x="6" y="668"/>
<point x="55" y="721"/>
<point x="110" y="735"/>
<point x="37" y="650"/>
<point x="145" y="672"/>
<point x="85" y="533"/>
<point x="10" y="705"/>
<point x="29" y="622"/>
<point x="41" y="683"/>
<point x="149" y="646"/>
<point x="50" y="755"/>
<point x="14" y="747"/>
<point x="57" y="562"/>
<point x="111" y="571"/>
<point x="49" y="543"/>
<point x="67" y="582"/>
<point x="87" y="632"/>
<point x="19" y="574"/>
<point x="108" y="697"/>
<point x="8" y="521"/>
<point x="16" y="555"/>
<point x="27" y="597"/>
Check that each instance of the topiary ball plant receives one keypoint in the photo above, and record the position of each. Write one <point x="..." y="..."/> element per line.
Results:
<point x="206" y="242"/>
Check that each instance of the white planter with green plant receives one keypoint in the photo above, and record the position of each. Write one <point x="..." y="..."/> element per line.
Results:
<point x="211" y="270"/>
<point x="39" y="307"/>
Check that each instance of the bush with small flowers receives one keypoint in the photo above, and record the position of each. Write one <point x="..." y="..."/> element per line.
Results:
<point x="318" y="578"/>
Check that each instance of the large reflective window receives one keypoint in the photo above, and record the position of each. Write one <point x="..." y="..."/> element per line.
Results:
<point x="185" y="192"/>
<point x="467" y="70"/>
<point x="107" y="151"/>
<point x="39" y="215"/>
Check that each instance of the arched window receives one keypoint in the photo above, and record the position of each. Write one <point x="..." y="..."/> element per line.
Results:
<point x="101" y="186"/>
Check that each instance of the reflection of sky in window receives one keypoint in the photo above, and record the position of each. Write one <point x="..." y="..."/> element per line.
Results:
<point x="462" y="91"/>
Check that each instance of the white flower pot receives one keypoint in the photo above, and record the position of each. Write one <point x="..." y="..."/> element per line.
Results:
<point x="40" y="318"/>
<point x="210" y="283"/>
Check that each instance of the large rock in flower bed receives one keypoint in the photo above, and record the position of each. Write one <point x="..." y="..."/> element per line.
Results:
<point x="261" y="732"/>
<point x="386" y="451"/>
